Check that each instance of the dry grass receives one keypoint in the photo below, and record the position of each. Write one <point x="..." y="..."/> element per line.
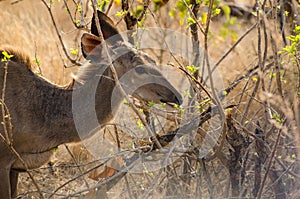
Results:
<point x="27" y="25"/>
<point x="187" y="177"/>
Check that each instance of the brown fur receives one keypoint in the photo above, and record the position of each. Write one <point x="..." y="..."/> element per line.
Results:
<point x="42" y="113"/>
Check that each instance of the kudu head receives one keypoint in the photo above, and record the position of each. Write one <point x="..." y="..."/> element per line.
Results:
<point x="128" y="61"/>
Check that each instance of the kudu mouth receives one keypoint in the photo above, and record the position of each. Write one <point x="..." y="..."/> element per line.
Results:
<point x="159" y="94"/>
<point x="174" y="98"/>
<point x="177" y="101"/>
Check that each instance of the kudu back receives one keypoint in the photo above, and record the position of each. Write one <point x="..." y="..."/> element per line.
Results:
<point x="41" y="112"/>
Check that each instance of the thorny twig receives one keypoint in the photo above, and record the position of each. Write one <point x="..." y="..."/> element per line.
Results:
<point x="130" y="20"/>
<point x="215" y="98"/>
<point x="194" y="17"/>
<point x="71" y="17"/>
<point x="103" y="161"/>
<point x="4" y="110"/>
<point x="59" y="35"/>
<point x="163" y="141"/>
<point x="208" y="179"/>
<point x="269" y="165"/>
<point x="232" y="47"/>
<point x="76" y="163"/>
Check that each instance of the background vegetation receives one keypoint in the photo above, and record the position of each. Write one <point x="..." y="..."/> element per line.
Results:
<point x="254" y="45"/>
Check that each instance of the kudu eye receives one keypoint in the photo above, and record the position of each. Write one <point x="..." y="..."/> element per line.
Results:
<point x="140" y="70"/>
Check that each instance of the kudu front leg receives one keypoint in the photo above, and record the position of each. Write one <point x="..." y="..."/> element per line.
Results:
<point x="13" y="175"/>
<point x="5" y="186"/>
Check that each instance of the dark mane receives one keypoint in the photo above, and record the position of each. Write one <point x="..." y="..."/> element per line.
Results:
<point x="21" y="57"/>
<point x="18" y="56"/>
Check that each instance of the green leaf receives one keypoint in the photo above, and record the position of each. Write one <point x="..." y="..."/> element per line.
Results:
<point x="158" y="4"/>
<point x="121" y="13"/>
<point x="79" y="8"/>
<point x="172" y="13"/>
<point x="102" y="4"/>
<point x="117" y="2"/>
<point x="125" y="102"/>
<point x="297" y="29"/>
<point x="216" y="11"/>
<point x="55" y="149"/>
<point x="6" y="56"/>
<point x="192" y="69"/>
<point x="190" y="21"/>
<point x="77" y="22"/>
<point x="137" y="12"/>
<point x="204" y="18"/>
<point x="272" y="75"/>
<point x="150" y="103"/>
<point x="254" y="14"/>
<point x="35" y="60"/>
<point x="277" y="118"/>
<point x="286" y="13"/>
<point x="181" y="111"/>
<point x="187" y="93"/>
<point x="181" y="6"/>
<point x="74" y="51"/>
<point x="140" y="124"/>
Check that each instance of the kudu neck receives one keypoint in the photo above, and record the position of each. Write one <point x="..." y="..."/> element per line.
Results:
<point x="76" y="112"/>
<point x="94" y="103"/>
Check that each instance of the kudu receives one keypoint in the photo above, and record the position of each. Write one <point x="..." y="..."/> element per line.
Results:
<point x="41" y="112"/>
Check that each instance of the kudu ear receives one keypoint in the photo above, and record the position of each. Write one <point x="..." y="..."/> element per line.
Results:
<point x="90" y="46"/>
<point x="107" y="27"/>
